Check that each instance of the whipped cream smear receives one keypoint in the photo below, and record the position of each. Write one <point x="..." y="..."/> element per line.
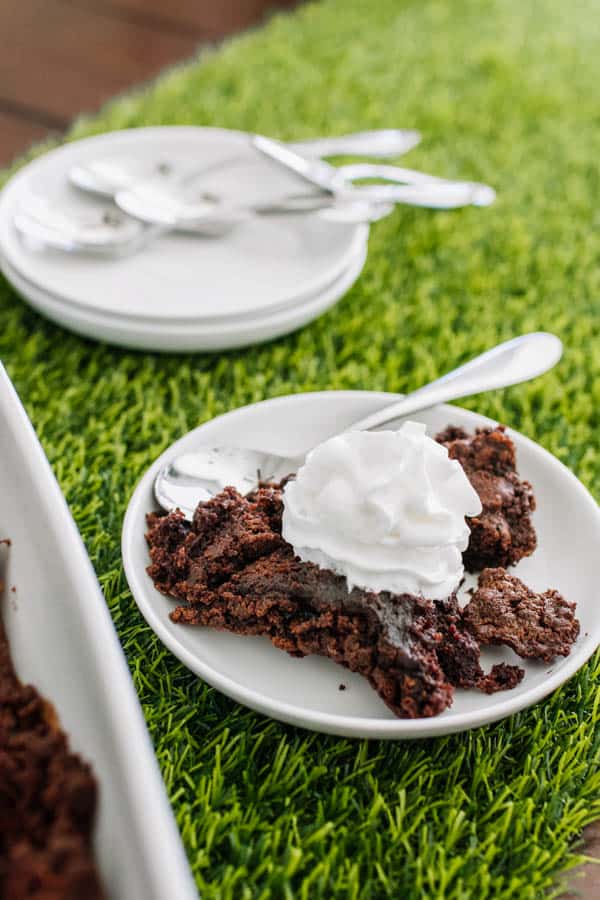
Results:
<point x="386" y="509"/>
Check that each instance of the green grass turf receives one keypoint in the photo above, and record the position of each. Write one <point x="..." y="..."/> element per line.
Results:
<point x="505" y="92"/>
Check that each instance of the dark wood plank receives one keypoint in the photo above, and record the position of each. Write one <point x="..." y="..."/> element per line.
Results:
<point x="64" y="59"/>
<point x="584" y="882"/>
<point x="209" y="17"/>
<point x="59" y="58"/>
<point x="16" y="134"/>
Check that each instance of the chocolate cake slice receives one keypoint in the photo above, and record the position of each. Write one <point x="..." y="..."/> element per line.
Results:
<point x="503" y="610"/>
<point x="235" y="572"/>
<point x="48" y="799"/>
<point x="503" y="533"/>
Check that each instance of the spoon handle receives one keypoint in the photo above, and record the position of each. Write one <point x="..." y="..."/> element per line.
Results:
<point x="387" y="142"/>
<point x="478" y="194"/>
<point x="509" y="363"/>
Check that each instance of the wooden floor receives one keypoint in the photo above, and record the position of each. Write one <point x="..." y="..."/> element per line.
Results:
<point x="59" y="58"/>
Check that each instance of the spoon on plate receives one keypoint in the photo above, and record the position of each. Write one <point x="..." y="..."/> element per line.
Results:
<point x="103" y="232"/>
<point x="105" y="177"/>
<point x="154" y="205"/>
<point x="159" y="202"/>
<point x="151" y="209"/>
<point x="338" y="181"/>
<point x="112" y="233"/>
<point x="191" y="478"/>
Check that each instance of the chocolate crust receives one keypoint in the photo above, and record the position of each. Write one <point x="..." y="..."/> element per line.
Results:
<point x="503" y="533"/>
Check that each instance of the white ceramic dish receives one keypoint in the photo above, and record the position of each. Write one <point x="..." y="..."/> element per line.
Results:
<point x="176" y="337"/>
<point x="306" y="691"/>
<point x="264" y="266"/>
<point x="63" y="642"/>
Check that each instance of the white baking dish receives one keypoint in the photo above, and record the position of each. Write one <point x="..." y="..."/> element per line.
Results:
<point x="63" y="641"/>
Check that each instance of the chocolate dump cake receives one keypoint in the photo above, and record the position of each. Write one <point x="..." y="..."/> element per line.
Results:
<point x="232" y="570"/>
<point x="48" y="799"/>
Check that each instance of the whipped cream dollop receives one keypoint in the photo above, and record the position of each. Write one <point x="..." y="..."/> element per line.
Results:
<point x="386" y="509"/>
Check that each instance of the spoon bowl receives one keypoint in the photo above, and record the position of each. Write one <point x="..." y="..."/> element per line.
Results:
<point x="106" y="233"/>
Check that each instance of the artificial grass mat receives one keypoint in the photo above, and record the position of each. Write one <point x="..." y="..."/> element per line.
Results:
<point x="504" y="92"/>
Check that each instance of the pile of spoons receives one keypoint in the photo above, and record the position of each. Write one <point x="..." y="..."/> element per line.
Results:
<point x="147" y="205"/>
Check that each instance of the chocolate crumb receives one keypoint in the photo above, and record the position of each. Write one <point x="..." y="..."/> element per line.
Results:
<point x="505" y="611"/>
<point x="501" y="678"/>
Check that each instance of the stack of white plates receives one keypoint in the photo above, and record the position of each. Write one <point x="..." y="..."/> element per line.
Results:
<point x="181" y="292"/>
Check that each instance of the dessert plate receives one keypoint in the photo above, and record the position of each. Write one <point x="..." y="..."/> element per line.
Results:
<point x="175" y="337"/>
<point x="306" y="691"/>
<point x="63" y="641"/>
<point x="263" y="266"/>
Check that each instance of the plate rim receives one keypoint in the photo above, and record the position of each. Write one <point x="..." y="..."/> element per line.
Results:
<point x="9" y="195"/>
<point x="9" y="271"/>
<point x="348" y="726"/>
<point x="205" y="340"/>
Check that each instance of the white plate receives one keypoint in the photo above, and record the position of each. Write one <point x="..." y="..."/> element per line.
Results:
<point x="262" y="266"/>
<point x="174" y="336"/>
<point x="306" y="691"/>
<point x="63" y="641"/>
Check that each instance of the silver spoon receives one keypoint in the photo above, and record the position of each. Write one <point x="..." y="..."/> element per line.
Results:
<point x="110" y="234"/>
<point x="103" y="234"/>
<point x="337" y="181"/>
<point x="150" y="202"/>
<point x="478" y="194"/>
<point x="105" y="177"/>
<point x="188" y="479"/>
